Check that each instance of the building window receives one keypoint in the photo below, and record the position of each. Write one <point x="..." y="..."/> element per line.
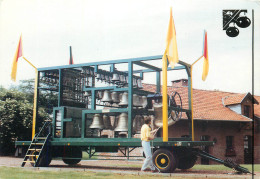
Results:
<point x="230" y="146"/>
<point x="246" y="110"/>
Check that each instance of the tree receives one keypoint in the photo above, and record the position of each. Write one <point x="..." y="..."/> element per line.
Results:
<point x="16" y="111"/>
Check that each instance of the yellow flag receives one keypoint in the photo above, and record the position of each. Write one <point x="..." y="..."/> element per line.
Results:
<point x="171" y="44"/>
<point x="18" y="54"/>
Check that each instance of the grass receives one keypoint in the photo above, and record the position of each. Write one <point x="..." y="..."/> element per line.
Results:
<point x="222" y="167"/>
<point x="23" y="173"/>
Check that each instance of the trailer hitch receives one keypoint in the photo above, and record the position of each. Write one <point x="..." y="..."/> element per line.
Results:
<point x="227" y="162"/>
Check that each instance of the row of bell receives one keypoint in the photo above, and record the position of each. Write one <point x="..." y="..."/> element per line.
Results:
<point x="104" y="122"/>
<point x="122" y="99"/>
<point x="119" y="79"/>
<point x="53" y="81"/>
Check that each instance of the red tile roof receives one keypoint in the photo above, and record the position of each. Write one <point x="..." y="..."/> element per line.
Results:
<point x="233" y="99"/>
<point x="208" y="105"/>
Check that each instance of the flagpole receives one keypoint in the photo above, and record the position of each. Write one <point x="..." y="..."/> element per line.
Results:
<point x="165" y="99"/>
<point x="192" y="121"/>
<point x="34" y="98"/>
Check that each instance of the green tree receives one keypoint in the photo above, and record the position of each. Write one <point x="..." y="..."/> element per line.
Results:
<point x="16" y="111"/>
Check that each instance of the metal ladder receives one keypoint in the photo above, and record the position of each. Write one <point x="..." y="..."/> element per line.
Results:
<point x="38" y="148"/>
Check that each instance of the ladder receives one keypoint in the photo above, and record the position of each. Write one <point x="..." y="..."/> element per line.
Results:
<point x="38" y="154"/>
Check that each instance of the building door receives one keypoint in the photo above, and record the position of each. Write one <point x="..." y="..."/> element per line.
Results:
<point x="205" y="161"/>
<point x="248" y="149"/>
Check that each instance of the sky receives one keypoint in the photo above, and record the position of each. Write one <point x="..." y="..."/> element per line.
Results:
<point x="104" y="30"/>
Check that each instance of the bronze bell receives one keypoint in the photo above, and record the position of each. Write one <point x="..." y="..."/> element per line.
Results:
<point x="139" y="83"/>
<point x="107" y="122"/>
<point x="136" y="100"/>
<point x="98" y="77"/>
<point x="122" y="124"/>
<point x="113" y="121"/>
<point x="115" y="97"/>
<point x="137" y="124"/>
<point x="97" y="122"/>
<point x="106" y="96"/>
<point x="124" y="99"/>
<point x="99" y="95"/>
<point x="134" y="82"/>
<point x="115" y="77"/>
<point x="158" y="116"/>
<point x="144" y="101"/>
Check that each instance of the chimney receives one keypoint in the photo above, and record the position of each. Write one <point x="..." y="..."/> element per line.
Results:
<point x="180" y="83"/>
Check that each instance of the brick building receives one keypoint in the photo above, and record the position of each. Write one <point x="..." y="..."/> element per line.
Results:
<point x="223" y="117"/>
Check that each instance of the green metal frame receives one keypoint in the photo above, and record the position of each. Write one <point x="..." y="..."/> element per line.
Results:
<point x="129" y="141"/>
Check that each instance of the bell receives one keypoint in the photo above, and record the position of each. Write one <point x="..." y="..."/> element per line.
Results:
<point x="243" y="21"/>
<point x="106" y="96"/>
<point x="107" y="122"/>
<point x="122" y="79"/>
<point x="87" y="83"/>
<point x="87" y="93"/>
<point x="107" y="79"/>
<point x="124" y="99"/>
<point x="136" y="100"/>
<point x="134" y="82"/>
<point x="158" y="116"/>
<point x="144" y="101"/>
<point x="122" y="123"/>
<point x="115" y="77"/>
<point x="115" y="97"/>
<point x="113" y="121"/>
<point x="99" y="94"/>
<point x="137" y="124"/>
<point x="102" y="77"/>
<point x="232" y="31"/>
<point x="97" y="122"/>
<point x="139" y="83"/>
<point x="98" y="77"/>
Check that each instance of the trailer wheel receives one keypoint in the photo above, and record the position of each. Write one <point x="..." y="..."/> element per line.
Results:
<point x="72" y="155"/>
<point x="164" y="160"/>
<point x="187" y="162"/>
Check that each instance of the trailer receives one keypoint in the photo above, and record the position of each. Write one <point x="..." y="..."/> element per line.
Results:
<point x="99" y="97"/>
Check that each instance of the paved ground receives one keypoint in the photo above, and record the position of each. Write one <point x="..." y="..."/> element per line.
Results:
<point x="123" y="167"/>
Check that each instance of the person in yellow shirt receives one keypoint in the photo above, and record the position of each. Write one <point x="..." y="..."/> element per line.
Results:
<point x="146" y="136"/>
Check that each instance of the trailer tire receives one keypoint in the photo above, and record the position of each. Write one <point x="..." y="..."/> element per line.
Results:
<point x="164" y="160"/>
<point x="72" y="155"/>
<point x="187" y="162"/>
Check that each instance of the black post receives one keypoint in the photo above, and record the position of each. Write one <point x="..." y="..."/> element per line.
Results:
<point x="253" y="79"/>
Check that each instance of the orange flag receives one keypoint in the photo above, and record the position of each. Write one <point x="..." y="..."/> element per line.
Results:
<point x="18" y="54"/>
<point x="206" y="58"/>
<point x="171" y="44"/>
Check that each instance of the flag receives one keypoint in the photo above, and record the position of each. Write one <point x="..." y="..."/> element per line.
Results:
<point x="18" y="54"/>
<point x="71" y="58"/>
<point x="171" y="44"/>
<point x="206" y="58"/>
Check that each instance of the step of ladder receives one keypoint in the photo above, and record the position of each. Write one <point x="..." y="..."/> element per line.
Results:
<point x="32" y="155"/>
<point x="41" y="138"/>
<point x="37" y="143"/>
<point x="35" y="149"/>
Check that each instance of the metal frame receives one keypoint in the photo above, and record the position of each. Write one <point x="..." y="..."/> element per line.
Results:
<point x="129" y="141"/>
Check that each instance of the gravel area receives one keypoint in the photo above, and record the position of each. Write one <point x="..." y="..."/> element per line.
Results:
<point x="122" y="166"/>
